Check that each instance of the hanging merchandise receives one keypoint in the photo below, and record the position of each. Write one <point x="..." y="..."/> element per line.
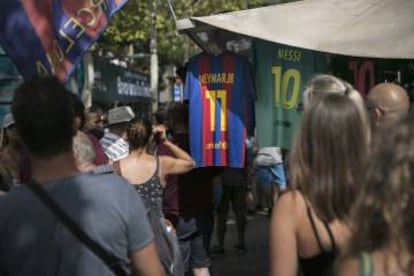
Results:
<point x="282" y="73"/>
<point x="221" y="94"/>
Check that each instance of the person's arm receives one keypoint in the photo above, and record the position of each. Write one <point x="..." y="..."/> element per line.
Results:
<point x="182" y="162"/>
<point x="179" y="153"/>
<point x="145" y="261"/>
<point x="283" y="244"/>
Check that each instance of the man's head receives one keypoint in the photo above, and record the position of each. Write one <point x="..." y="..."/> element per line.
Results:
<point x="387" y="103"/>
<point x="159" y="117"/>
<point x="94" y="118"/>
<point x="118" y="119"/>
<point x="8" y="121"/>
<point x="83" y="152"/>
<point x="177" y="117"/>
<point x="9" y="130"/>
<point x="44" y="116"/>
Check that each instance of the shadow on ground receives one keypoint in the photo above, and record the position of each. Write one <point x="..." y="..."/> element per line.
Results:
<point x="255" y="259"/>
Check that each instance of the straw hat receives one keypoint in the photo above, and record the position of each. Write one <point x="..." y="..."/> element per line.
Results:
<point x="8" y="120"/>
<point x="120" y="114"/>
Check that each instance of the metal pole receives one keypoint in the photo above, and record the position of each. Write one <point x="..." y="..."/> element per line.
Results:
<point x="154" y="56"/>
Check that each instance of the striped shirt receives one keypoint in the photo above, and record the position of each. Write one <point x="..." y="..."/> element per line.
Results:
<point x="114" y="147"/>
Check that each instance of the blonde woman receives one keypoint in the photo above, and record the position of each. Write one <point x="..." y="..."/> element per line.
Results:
<point x="309" y="223"/>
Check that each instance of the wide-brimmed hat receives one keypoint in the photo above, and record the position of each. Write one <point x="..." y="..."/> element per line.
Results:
<point x="8" y="120"/>
<point x="120" y="114"/>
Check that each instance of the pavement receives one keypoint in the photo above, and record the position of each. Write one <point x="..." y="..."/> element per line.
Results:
<point x="252" y="261"/>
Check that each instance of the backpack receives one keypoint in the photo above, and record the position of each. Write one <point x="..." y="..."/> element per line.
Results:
<point x="165" y="241"/>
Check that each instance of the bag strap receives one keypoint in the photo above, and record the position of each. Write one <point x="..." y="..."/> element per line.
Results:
<point x="110" y="260"/>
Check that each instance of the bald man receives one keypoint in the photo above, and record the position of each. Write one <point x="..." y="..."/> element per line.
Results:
<point x="387" y="104"/>
<point x="84" y="153"/>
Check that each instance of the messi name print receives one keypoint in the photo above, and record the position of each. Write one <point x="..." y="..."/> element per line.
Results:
<point x="221" y="95"/>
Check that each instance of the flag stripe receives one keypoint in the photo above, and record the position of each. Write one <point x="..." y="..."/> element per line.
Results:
<point x="54" y="32"/>
<point x="207" y="139"/>
<point x="19" y="39"/>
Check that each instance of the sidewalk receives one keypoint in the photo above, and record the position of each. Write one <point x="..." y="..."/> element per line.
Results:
<point x="255" y="259"/>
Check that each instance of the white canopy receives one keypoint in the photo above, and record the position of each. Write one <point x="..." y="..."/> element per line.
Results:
<point x="366" y="28"/>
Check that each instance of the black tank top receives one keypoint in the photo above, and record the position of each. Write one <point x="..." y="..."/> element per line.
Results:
<point x="151" y="190"/>
<point x="321" y="264"/>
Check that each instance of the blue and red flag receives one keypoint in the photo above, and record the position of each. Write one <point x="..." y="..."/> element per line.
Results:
<point x="47" y="37"/>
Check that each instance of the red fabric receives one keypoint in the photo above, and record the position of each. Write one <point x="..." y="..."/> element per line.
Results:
<point x="191" y="193"/>
<point x="207" y="137"/>
<point x="101" y="158"/>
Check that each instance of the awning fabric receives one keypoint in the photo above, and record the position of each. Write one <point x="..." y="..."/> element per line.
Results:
<point x="364" y="28"/>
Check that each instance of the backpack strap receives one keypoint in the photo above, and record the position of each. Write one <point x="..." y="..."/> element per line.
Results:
<point x="111" y="261"/>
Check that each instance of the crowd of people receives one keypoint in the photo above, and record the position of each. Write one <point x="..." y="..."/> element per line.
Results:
<point x="350" y="167"/>
<point x="131" y="189"/>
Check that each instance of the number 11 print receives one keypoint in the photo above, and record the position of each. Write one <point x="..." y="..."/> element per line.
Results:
<point x="212" y="96"/>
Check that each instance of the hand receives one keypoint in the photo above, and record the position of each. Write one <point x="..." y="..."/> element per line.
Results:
<point x="159" y="131"/>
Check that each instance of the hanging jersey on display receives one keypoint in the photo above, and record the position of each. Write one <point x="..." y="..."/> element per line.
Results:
<point x="221" y="94"/>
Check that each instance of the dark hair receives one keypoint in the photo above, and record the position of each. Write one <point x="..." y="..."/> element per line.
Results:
<point x="43" y="111"/>
<point x="159" y="117"/>
<point x="181" y="72"/>
<point x="139" y="132"/>
<point x="177" y="115"/>
<point x="382" y="217"/>
<point x="79" y="109"/>
<point x="328" y="155"/>
<point x="96" y="109"/>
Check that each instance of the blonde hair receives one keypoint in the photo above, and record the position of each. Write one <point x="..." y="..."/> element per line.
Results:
<point x="328" y="155"/>
<point x="323" y="84"/>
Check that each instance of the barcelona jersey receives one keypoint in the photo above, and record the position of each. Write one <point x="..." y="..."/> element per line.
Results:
<point x="221" y="93"/>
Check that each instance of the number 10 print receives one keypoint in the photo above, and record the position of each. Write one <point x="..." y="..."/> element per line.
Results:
<point x="281" y="82"/>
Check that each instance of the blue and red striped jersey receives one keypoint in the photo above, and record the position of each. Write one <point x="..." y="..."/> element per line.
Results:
<point x="221" y="93"/>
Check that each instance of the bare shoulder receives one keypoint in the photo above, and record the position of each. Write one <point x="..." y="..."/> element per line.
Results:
<point x="290" y="201"/>
<point x="347" y="267"/>
<point x="287" y="207"/>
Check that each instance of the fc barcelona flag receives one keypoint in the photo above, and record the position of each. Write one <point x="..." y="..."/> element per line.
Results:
<point x="47" y="37"/>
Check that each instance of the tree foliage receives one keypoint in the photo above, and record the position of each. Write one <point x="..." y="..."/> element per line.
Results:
<point x="131" y="25"/>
